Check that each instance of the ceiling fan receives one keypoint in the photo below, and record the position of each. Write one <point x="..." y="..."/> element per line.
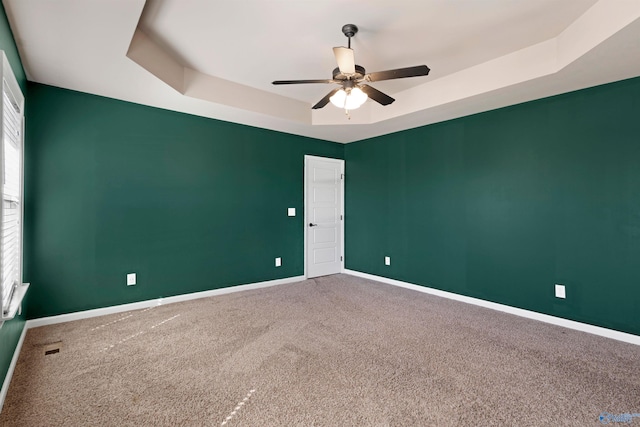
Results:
<point x="352" y="78"/>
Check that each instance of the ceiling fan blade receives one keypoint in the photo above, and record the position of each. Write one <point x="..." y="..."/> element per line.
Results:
<point x="376" y="95"/>
<point x="344" y="58"/>
<point x="324" y="101"/>
<point x="399" y="73"/>
<point x="296" y="82"/>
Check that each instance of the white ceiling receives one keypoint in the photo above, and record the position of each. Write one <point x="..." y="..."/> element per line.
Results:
<point x="217" y="59"/>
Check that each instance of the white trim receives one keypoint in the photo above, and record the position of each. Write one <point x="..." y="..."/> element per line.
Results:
<point x="43" y="321"/>
<point x="308" y="157"/>
<point x="570" y="324"/>
<point x="15" y="304"/>
<point x="12" y="366"/>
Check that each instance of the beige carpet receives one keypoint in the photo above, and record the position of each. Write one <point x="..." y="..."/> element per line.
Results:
<point x="335" y="351"/>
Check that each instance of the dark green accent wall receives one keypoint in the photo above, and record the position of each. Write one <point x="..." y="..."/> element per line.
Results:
<point x="10" y="331"/>
<point x="503" y="205"/>
<point x="188" y="203"/>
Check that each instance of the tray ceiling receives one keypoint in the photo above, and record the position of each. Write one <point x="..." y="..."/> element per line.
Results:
<point x="217" y="59"/>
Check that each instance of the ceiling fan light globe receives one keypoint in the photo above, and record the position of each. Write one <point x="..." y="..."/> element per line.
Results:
<point x="339" y="98"/>
<point x="354" y="99"/>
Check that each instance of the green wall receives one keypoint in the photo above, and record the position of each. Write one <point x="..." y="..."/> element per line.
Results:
<point x="188" y="203"/>
<point x="10" y="331"/>
<point x="503" y="205"/>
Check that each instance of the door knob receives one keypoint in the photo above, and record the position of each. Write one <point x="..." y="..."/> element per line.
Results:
<point x="312" y="224"/>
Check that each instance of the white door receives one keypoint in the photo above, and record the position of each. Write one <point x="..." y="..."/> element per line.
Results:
<point x="323" y="215"/>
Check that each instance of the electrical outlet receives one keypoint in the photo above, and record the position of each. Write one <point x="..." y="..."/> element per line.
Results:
<point x="278" y="262"/>
<point x="560" y="291"/>
<point x="131" y="279"/>
<point x="291" y="211"/>
<point x="387" y="260"/>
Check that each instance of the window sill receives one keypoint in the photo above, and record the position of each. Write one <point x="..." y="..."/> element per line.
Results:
<point x="14" y="304"/>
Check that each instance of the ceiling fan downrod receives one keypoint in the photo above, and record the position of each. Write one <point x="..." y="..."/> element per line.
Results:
<point x="349" y="30"/>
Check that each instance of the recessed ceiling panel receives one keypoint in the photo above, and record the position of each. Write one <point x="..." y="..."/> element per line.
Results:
<point x="256" y="42"/>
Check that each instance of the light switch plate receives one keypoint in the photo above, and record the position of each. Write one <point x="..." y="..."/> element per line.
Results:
<point x="560" y="291"/>
<point x="387" y="260"/>
<point x="131" y="279"/>
<point x="278" y="262"/>
<point x="291" y="211"/>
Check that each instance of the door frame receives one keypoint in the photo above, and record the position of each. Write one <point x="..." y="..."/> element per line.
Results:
<point x="308" y="157"/>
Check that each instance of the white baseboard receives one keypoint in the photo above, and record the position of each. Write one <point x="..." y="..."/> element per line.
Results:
<point x="12" y="366"/>
<point x="570" y="324"/>
<point x="43" y="321"/>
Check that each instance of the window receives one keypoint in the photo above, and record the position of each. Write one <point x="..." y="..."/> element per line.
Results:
<point x="11" y="119"/>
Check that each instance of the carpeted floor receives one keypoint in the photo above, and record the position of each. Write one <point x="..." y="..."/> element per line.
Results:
<point x="334" y="351"/>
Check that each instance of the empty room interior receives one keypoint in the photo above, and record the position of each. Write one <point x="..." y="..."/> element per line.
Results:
<point x="320" y="212"/>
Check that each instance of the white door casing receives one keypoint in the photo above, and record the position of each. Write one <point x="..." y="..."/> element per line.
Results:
<point x="324" y="224"/>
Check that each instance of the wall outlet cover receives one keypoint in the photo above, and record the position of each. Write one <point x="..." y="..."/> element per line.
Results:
<point x="560" y="291"/>
<point x="131" y="279"/>
<point x="291" y="211"/>
<point x="278" y="262"/>
<point x="387" y="260"/>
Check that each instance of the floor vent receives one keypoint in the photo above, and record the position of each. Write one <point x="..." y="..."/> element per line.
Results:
<point x="52" y="348"/>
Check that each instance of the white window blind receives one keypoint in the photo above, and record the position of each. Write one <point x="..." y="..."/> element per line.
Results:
<point x="12" y="290"/>
<point x="11" y="237"/>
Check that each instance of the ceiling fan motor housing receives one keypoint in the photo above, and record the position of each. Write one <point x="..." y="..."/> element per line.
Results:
<point x="359" y="74"/>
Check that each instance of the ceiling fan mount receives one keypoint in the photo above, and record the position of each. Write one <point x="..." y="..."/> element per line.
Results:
<point x="349" y="30"/>
<point x="351" y="77"/>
